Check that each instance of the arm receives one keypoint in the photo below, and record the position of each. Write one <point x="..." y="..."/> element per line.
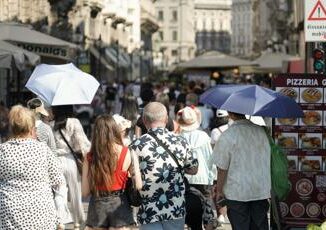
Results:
<point x="85" y="180"/>
<point x="135" y="171"/>
<point x="221" y="176"/>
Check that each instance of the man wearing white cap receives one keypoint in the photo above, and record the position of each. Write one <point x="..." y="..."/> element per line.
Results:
<point x="222" y="118"/>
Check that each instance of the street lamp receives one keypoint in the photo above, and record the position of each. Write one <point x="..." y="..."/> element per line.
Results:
<point x="118" y="61"/>
<point x="78" y="39"/>
<point x="141" y="54"/>
<point x="98" y="44"/>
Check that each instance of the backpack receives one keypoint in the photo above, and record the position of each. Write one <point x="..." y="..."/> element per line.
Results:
<point x="281" y="185"/>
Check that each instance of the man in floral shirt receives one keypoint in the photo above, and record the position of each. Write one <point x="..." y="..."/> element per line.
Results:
<point x="163" y="204"/>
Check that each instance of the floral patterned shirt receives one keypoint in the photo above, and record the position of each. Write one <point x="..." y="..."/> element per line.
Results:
<point x="163" y="188"/>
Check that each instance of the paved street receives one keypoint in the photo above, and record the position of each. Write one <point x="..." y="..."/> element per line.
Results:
<point x="225" y="226"/>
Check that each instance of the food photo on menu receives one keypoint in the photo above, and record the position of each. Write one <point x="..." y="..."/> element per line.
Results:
<point x="310" y="140"/>
<point x="311" y="95"/>
<point x="287" y="121"/>
<point x="292" y="163"/>
<point x="304" y="187"/>
<point x="289" y="91"/>
<point x="287" y="140"/>
<point x="311" y="118"/>
<point x="310" y="163"/>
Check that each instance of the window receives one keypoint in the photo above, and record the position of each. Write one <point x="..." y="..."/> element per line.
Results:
<point x="160" y="15"/>
<point x="174" y="53"/>
<point x="174" y="15"/>
<point x="161" y="35"/>
<point x="174" y="35"/>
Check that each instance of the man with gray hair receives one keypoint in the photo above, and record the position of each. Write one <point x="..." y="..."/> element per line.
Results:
<point x="163" y="201"/>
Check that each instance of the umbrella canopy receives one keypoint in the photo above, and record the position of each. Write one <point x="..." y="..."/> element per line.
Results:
<point x="21" y="57"/>
<point x="251" y="100"/>
<point x="214" y="59"/>
<point x="62" y="84"/>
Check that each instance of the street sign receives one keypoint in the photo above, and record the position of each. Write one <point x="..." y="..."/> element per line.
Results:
<point x="315" y="20"/>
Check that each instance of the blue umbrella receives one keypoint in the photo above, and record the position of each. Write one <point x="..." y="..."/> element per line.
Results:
<point x="251" y="100"/>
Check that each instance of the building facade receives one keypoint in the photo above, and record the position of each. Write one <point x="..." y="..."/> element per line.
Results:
<point x="213" y="25"/>
<point x="26" y="11"/>
<point x="260" y="26"/>
<point x="175" y="40"/>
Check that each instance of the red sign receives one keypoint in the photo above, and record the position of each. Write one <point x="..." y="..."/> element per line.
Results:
<point x="317" y="13"/>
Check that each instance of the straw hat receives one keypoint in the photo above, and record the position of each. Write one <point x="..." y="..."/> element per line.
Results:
<point x="37" y="106"/>
<point x="188" y="119"/>
<point x="122" y="122"/>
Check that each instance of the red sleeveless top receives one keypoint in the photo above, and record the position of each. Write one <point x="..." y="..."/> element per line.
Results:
<point x="119" y="177"/>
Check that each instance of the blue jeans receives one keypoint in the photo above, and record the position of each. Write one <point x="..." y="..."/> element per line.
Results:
<point x="177" y="224"/>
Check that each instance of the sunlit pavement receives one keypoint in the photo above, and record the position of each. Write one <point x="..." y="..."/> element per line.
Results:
<point x="225" y="226"/>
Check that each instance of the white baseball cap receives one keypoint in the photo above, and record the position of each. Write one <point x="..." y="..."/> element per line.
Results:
<point x="221" y="113"/>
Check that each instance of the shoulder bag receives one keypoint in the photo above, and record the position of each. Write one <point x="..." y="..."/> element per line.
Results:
<point x="132" y="193"/>
<point x="180" y="168"/>
<point x="78" y="156"/>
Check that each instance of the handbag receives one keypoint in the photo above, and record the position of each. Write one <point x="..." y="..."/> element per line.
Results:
<point x="280" y="182"/>
<point x="133" y="195"/>
<point x="180" y="169"/>
<point x="78" y="156"/>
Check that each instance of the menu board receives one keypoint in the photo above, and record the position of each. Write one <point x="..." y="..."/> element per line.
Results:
<point x="304" y="141"/>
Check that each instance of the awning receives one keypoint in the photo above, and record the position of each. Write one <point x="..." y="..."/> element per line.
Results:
<point x="104" y="62"/>
<point x="21" y="57"/>
<point x="37" y="42"/>
<point x="124" y="61"/>
<point x="214" y="59"/>
<point x="273" y="62"/>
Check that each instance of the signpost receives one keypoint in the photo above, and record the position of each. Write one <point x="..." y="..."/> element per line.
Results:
<point x="315" y="20"/>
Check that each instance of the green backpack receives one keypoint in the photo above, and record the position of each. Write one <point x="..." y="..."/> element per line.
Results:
<point x="281" y="185"/>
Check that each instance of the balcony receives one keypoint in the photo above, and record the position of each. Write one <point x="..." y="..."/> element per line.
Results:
<point x="149" y="23"/>
<point x="94" y="3"/>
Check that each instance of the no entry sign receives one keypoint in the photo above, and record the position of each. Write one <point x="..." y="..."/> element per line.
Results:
<point x="315" y="20"/>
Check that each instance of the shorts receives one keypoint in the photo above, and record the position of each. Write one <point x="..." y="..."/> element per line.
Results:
<point x="112" y="210"/>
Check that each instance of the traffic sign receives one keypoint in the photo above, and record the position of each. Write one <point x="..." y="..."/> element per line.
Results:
<point x="315" y="20"/>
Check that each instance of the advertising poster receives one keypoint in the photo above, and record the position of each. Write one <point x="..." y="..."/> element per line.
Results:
<point x="304" y="141"/>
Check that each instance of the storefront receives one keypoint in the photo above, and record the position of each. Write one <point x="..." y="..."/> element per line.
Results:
<point x="48" y="49"/>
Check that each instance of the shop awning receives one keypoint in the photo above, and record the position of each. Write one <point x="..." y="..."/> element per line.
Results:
<point x="27" y="38"/>
<point x="104" y="62"/>
<point x="13" y="54"/>
<point x="214" y="59"/>
<point x="112" y="55"/>
<point x="273" y="62"/>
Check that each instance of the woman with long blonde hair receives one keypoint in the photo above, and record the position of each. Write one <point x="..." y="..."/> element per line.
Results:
<point x="105" y="174"/>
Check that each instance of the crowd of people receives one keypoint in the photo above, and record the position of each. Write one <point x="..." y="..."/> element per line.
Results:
<point x="181" y="155"/>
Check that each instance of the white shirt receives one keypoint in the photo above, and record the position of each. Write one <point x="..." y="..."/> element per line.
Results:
<point x="244" y="150"/>
<point x="200" y="145"/>
<point x="75" y="136"/>
<point x="216" y="133"/>
<point x="206" y="116"/>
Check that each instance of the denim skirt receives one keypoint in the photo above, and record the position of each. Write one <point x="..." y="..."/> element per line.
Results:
<point x="109" y="210"/>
